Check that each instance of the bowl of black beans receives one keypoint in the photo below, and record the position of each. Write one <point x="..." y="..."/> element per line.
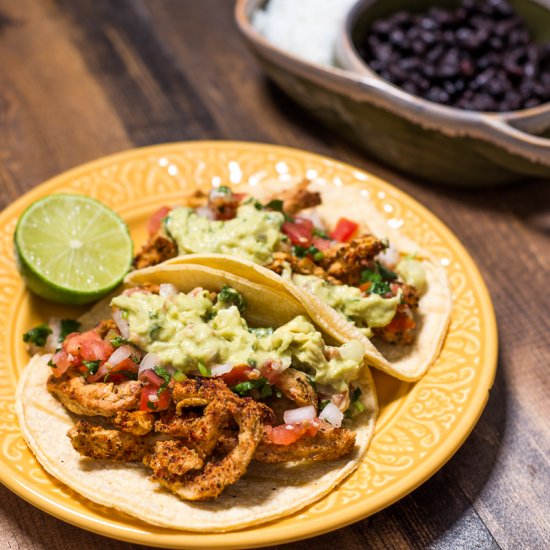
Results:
<point x="461" y="89"/>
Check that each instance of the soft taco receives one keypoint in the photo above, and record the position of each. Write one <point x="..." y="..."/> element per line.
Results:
<point x="197" y="400"/>
<point x="331" y="249"/>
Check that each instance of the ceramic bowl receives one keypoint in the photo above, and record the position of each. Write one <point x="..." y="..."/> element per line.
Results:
<point x="434" y="142"/>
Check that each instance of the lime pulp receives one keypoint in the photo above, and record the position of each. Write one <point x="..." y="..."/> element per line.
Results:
<point x="72" y="249"/>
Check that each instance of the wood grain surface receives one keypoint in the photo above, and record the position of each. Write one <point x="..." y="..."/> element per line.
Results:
<point x="84" y="78"/>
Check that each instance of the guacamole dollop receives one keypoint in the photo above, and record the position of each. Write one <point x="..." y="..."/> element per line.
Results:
<point x="186" y="329"/>
<point x="413" y="273"/>
<point x="252" y="234"/>
<point x="366" y="312"/>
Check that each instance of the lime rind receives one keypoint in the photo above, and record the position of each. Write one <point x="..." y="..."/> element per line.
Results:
<point x="72" y="248"/>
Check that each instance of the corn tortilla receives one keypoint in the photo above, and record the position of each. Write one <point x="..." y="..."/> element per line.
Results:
<point x="266" y="492"/>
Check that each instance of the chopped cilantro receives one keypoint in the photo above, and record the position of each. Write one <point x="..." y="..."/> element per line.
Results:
<point x="153" y="315"/>
<point x="51" y="364"/>
<point x="323" y="404"/>
<point x="262" y="332"/>
<point x="68" y="326"/>
<point x="370" y="276"/>
<point x="386" y="273"/>
<point x="165" y="375"/>
<point x="230" y="297"/>
<point x="130" y="374"/>
<point x="320" y="233"/>
<point x="318" y="256"/>
<point x="37" y="335"/>
<point x="381" y="288"/>
<point x="302" y="251"/>
<point x="151" y="405"/>
<point x="265" y="391"/>
<point x="252" y="362"/>
<point x="356" y="394"/>
<point x="275" y="204"/>
<point x="154" y="332"/>
<point x="117" y="341"/>
<point x="356" y="406"/>
<point x="203" y="369"/>
<point x="178" y="376"/>
<point x="244" y="388"/>
<point x="224" y="190"/>
<point x="288" y="218"/>
<point x="92" y="366"/>
<point x="124" y="314"/>
<point x="378" y="285"/>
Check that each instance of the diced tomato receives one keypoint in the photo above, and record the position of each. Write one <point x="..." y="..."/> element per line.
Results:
<point x="62" y="361"/>
<point x="100" y="373"/>
<point x="401" y="322"/>
<point x="88" y="346"/>
<point x="152" y="377"/>
<point x="156" y="405"/>
<point x="155" y="221"/>
<point x="345" y="229"/>
<point x="365" y="286"/>
<point x="286" y="434"/>
<point x="239" y="196"/>
<point x="321" y="244"/>
<point x="96" y="350"/>
<point x="72" y="343"/>
<point x="271" y="370"/>
<point x="300" y="231"/>
<point x="117" y="373"/>
<point x="239" y="373"/>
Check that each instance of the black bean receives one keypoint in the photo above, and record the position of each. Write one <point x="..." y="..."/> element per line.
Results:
<point x="478" y="56"/>
<point x="397" y="37"/>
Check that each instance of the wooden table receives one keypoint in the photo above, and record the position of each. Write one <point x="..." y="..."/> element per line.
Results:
<point x="81" y="79"/>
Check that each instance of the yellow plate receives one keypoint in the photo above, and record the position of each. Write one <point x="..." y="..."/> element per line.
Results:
<point x="420" y="426"/>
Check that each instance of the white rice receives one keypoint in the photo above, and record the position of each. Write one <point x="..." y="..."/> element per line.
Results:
<point x="305" y="28"/>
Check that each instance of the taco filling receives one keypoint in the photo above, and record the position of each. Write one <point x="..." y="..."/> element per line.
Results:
<point x="183" y="384"/>
<point x="359" y="276"/>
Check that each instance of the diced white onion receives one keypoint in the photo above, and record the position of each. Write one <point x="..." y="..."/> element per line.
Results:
<point x="218" y="370"/>
<point x="152" y="398"/>
<point x="150" y="361"/>
<point x="121" y="353"/>
<point x="332" y="414"/>
<point x="314" y="217"/>
<point x="121" y="323"/>
<point x="205" y="212"/>
<point x="390" y="257"/>
<point x="301" y="415"/>
<point x="45" y="359"/>
<point x="101" y="372"/>
<point x="167" y="290"/>
<point x="52" y="342"/>
<point x="353" y="350"/>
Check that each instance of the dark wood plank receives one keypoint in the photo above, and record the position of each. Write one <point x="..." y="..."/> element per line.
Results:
<point x="53" y="113"/>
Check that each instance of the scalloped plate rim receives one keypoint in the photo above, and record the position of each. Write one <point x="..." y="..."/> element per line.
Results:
<point x="322" y="524"/>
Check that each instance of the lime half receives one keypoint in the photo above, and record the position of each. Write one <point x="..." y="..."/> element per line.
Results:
<point x="72" y="249"/>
